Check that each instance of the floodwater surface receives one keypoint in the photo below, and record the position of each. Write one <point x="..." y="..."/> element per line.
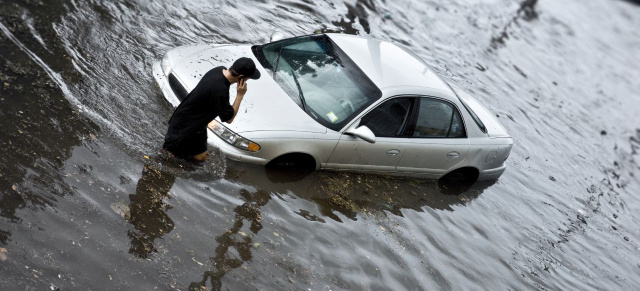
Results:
<point x="89" y="202"/>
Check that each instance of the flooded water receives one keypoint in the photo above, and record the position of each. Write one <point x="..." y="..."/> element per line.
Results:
<point x="88" y="202"/>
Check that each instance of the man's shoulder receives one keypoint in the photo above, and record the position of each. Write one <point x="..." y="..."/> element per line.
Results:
<point x="214" y="74"/>
<point x="215" y="71"/>
<point x="217" y="80"/>
<point x="212" y="84"/>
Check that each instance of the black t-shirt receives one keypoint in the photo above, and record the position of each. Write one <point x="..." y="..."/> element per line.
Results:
<point x="208" y="100"/>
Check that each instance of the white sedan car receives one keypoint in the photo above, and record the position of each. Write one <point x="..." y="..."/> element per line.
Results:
<point x="347" y="103"/>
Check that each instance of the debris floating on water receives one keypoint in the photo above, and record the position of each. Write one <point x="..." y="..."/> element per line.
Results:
<point x="121" y="209"/>
<point x="520" y="71"/>
<point x="3" y="254"/>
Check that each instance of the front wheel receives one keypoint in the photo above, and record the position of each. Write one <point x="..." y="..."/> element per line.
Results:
<point x="293" y="162"/>
<point x="290" y="167"/>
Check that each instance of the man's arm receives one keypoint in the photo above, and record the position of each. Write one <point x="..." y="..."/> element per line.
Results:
<point x="242" y="89"/>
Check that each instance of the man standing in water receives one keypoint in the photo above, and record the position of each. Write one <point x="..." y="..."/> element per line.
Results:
<point x="187" y="134"/>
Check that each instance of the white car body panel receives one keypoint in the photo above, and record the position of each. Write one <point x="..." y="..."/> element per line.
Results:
<point x="387" y="64"/>
<point x="353" y="153"/>
<point x="269" y="117"/>
<point x="433" y="157"/>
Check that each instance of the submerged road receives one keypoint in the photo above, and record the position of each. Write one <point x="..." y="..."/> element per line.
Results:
<point x="88" y="202"/>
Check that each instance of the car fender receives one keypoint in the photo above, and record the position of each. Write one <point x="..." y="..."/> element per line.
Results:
<point x="277" y="143"/>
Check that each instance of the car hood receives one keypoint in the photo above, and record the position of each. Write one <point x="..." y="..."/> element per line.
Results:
<point x="265" y="107"/>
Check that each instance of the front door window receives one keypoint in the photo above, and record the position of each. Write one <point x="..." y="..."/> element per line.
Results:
<point x="389" y="119"/>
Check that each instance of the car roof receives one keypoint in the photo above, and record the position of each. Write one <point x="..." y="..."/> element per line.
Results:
<point x="388" y="64"/>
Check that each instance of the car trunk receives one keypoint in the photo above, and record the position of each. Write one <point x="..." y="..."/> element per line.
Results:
<point x="492" y="125"/>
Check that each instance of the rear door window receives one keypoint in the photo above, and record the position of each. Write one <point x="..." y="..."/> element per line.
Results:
<point x="437" y="119"/>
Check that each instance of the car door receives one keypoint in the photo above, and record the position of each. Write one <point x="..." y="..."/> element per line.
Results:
<point x="437" y="139"/>
<point x="388" y="121"/>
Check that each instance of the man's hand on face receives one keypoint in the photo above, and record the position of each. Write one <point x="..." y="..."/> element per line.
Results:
<point x="242" y="86"/>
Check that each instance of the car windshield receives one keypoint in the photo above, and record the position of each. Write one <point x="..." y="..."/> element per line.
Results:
<point x="319" y="77"/>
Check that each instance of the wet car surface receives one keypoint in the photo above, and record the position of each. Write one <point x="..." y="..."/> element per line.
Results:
<point x="88" y="201"/>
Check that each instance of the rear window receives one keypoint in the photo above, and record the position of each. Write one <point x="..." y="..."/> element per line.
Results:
<point x="475" y="117"/>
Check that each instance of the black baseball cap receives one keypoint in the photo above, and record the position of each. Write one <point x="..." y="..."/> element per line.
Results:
<point x="246" y="66"/>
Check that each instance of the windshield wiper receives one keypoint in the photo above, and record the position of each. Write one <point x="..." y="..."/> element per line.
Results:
<point x="304" y="105"/>
<point x="277" y="61"/>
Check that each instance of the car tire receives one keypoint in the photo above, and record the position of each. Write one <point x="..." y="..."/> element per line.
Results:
<point x="458" y="181"/>
<point x="298" y="162"/>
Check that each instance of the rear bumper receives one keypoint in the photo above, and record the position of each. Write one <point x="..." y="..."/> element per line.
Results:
<point x="492" y="174"/>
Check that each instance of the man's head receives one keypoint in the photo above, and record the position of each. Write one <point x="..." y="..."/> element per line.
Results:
<point x="244" y="68"/>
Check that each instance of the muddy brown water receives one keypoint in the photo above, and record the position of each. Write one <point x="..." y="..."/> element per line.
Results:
<point x="87" y="202"/>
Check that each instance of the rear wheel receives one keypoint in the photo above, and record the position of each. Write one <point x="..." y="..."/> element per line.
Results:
<point x="458" y="181"/>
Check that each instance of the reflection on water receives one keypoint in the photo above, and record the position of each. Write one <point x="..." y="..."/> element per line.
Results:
<point x="526" y="12"/>
<point x="353" y="193"/>
<point x="350" y="195"/>
<point x="4" y="236"/>
<point x="148" y="208"/>
<point x="235" y="240"/>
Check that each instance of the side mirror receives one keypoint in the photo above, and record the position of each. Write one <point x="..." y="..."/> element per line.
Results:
<point x="276" y="36"/>
<point x="364" y="133"/>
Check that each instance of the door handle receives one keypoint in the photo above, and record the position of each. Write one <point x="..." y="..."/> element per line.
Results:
<point x="453" y="155"/>
<point x="393" y="153"/>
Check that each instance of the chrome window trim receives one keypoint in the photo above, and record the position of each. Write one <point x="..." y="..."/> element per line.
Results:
<point x="363" y="113"/>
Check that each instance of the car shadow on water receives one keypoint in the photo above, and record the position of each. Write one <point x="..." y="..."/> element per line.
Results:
<point x="335" y="194"/>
